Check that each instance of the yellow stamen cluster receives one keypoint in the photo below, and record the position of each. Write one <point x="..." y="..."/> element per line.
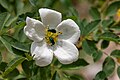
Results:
<point x="51" y="37"/>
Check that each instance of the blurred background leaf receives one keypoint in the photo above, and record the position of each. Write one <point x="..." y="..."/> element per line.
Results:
<point x="3" y="19"/>
<point x="100" y="76"/>
<point x="118" y="71"/>
<point x="115" y="53"/>
<point x="95" y="13"/>
<point x="0" y="57"/>
<point x="75" y="65"/>
<point x="108" y="66"/>
<point x="12" y="65"/>
<point x="112" y="8"/>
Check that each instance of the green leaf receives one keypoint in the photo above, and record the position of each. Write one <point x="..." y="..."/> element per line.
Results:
<point x="84" y="22"/>
<point x="109" y="36"/>
<point x="90" y="27"/>
<point x="118" y="71"/>
<point x="108" y="66"/>
<point x="73" y="12"/>
<point x="20" y="24"/>
<point x="20" y="77"/>
<point x="116" y="27"/>
<point x="0" y="57"/>
<point x="21" y="46"/>
<point x="66" y="3"/>
<point x="100" y="76"/>
<point x="7" y="5"/>
<point x="16" y="44"/>
<point x="112" y="8"/>
<point x="75" y="65"/>
<point x="116" y="53"/>
<point x="81" y="25"/>
<point x="90" y="48"/>
<point x="22" y="36"/>
<point x="96" y="34"/>
<point x="3" y="19"/>
<point x="94" y="13"/>
<point x="43" y="71"/>
<point x="3" y="66"/>
<point x="55" y="76"/>
<point x="6" y="44"/>
<point x="49" y="3"/>
<point x="37" y="3"/>
<point x="33" y="2"/>
<point x="104" y="44"/>
<point x="13" y="46"/>
<point x="26" y="67"/>
<point x="19" y="6"/>
<point x="12" y="65"/>
<point x="18" y="52"/>
<point x="76" y="77"/>
<point x="19" y="34"/>
<point x="22" y="7"/>
<point x="12" y="74"/>
<point x="97" y="56"/>
<point x="10" y="21"/>
<point x="107" y="23"/>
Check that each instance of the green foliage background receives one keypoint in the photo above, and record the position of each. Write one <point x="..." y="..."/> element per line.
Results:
<point x="15" y="60"/>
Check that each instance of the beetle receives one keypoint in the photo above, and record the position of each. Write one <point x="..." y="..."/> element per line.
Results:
<point x="52" y="30"/>
<point x="51" y="41"/>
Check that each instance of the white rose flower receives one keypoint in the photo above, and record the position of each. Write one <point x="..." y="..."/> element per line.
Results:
<point x="52" y="37"/>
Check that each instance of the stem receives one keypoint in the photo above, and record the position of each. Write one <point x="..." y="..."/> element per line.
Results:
<point x="52" y="71"/>
<point x="105" y="5"/>
<point x="105" y="53"/>
<point x="60" y="74"/>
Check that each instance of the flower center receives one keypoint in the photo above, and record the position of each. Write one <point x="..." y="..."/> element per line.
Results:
<point x="51" y="36"/>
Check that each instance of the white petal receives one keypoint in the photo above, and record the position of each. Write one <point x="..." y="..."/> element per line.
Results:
<point x="42" y="54"/>
<point x="66" y="52"/>
<point x="34" y="29"/>
<point x="50" y="17"/>
<point x="70" y="30"/>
